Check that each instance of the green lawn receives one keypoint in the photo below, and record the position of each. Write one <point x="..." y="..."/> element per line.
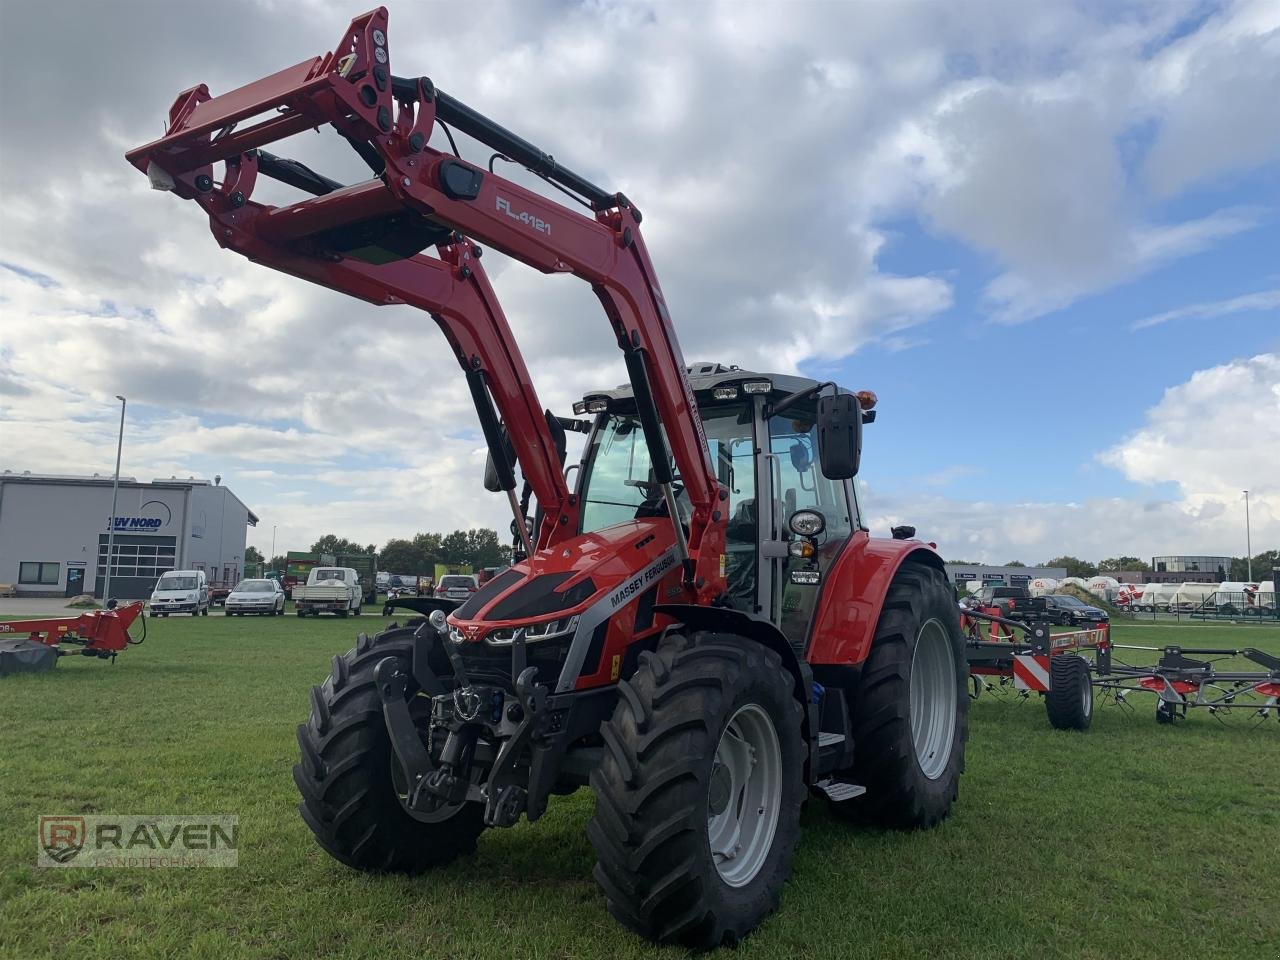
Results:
<point x="1133" y="840"/>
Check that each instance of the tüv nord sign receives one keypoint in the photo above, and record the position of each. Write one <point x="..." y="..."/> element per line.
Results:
<point x="138" y="523"/>
<point x="156" y="514"/>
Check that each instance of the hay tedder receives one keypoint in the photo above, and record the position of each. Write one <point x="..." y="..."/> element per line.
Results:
<point x="700" y="628"/>
<point x="1009" y="656"/>
<point x="30" y="646"/>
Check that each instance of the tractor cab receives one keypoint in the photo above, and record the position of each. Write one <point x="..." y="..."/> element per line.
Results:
<point x="786" y="520"/>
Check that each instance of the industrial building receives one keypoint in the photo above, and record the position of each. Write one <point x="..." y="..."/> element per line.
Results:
<point x="962" y="573"/>
<point x="54" y="533"/>
<point x="1189" y="569"/>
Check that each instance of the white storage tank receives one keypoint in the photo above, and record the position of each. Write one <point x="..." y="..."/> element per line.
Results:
<point x="1042" y="585"/>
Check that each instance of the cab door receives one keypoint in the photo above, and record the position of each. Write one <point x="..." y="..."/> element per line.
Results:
<point x="795" y="481"/>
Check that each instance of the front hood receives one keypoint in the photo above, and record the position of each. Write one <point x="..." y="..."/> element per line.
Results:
<point x="612" y="566"/>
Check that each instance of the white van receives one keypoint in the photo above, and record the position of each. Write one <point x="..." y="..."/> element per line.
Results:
<point x="181" y="591"/>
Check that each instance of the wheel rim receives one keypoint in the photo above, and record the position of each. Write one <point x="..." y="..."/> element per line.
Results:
<point x="933" y="699"/>
<point x="1086" y="693"/>
<point x="744" y="798"/>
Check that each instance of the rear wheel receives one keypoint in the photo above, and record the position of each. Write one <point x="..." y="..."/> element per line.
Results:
<point x="911" y="711"/>
<point x="698" y="794"/>
<point x="349" y="777"/>
<point x="1069" y="701"/>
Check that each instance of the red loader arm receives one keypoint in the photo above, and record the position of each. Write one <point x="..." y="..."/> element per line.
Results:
<point x="423" y="196"/>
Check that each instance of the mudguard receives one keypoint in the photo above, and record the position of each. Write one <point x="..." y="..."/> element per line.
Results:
<point x="853" y="593"/>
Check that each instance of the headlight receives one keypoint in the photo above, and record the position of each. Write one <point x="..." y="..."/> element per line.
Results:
<point x="537" y="631"/>
<point x="807" y="523"/>
<point x="192" y="597"/>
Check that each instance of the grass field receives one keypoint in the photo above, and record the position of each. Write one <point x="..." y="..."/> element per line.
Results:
<point x="1132" y="840"/>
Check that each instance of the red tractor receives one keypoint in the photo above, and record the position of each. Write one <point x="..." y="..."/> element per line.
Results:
<point x="701" y="629"/>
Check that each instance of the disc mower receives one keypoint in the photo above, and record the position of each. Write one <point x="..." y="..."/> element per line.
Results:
<point x="31" y="646"/>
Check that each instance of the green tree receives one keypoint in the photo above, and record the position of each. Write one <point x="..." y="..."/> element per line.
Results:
<point x="456" y="548"/>
<point x="332" y="543"/>
<point x="401" y="556"/>
<point x="1263" y="564"/>
<point x="429" y="548"/>
<point x="1075" y="567"/>
<point x="1114" y="564"/>
<point x="1015" y="563"/>
<point x="279" y="562"/>
<point x="252" y="555"/>
<point x="486" y="549"/>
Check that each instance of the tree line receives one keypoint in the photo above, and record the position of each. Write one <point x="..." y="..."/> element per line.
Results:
<point x="415" y="556"/>
<point x="1075" y="567"/>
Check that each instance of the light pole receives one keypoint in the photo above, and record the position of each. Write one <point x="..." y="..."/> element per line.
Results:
<point x="272" y="558"/>
<point x="1248" y="541"/>
<point x="115" y="495"/>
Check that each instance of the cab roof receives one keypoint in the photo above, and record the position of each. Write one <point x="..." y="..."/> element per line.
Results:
<point x="704" y="376"/>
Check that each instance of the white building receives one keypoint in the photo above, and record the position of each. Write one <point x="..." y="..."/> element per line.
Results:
<point x="53" y="533"/>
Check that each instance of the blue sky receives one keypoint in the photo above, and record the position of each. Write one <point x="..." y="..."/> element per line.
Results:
<point x="967" y="208"/>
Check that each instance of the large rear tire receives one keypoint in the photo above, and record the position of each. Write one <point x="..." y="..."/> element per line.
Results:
<point x="348" y="770"/>
<point x="911" y="707"/>
<point x="698" y="794"/>
<point x="1069" y="701"/>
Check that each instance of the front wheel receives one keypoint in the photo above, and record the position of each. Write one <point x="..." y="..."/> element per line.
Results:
<point x="204" y="612"/>
<point x="349" y="777"/>
<point x="911" y="707"/>
<point x="698" y="794"/>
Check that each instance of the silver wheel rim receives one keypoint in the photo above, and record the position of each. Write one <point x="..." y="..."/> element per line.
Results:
<point x="933" y="699"/>
<point x="744" y="797"/>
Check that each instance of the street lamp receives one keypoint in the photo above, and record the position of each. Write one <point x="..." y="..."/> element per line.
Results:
<point x="272" y="558"/>
<point x="115" y="495"/>
<point x="1248" y="542"/>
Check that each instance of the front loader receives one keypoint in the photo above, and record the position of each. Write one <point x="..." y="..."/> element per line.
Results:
<point x="701" y="629"/>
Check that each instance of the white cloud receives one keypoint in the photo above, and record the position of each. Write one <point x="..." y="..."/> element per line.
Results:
<point x="1262" y="301"/>
<point x="1208" y="439"/>
<point x="767" y="146"/>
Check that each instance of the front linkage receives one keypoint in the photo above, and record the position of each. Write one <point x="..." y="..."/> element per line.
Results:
<point x="529" y="727"/>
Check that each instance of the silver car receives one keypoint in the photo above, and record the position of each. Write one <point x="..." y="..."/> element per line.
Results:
<point x="265" y="597"/>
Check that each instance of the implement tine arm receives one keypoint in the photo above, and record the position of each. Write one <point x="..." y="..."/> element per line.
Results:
<point x="441" y="197"/>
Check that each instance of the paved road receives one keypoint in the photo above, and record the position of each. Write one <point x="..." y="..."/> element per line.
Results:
<point x="29" y="607"/>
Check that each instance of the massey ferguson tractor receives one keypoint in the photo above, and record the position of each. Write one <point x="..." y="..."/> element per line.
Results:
<point x="700" y="629"/>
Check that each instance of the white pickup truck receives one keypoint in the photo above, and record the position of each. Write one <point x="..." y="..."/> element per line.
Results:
<point x="333" y="589"/>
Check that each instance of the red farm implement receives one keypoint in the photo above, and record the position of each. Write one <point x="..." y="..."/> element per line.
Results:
<point x="1181" y="682"/>
<point x="30" y="646"/>
<point x="1007" y="654"/>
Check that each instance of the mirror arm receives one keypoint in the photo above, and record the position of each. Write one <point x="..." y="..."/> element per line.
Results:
<point x="792" y="399"/>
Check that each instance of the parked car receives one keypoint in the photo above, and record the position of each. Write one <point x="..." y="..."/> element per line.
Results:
<point x="181" y="591"/>
<point x="456" y="586"/>
<point x="333" y="589"/>
<point x="1064" y="609"/>
<point x="263" y="597"/>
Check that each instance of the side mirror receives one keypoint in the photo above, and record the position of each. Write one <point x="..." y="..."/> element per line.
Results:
<point x="492" y="480"/>
<point x="839" y="435"/>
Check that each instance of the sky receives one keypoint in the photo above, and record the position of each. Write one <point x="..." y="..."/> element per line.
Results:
<point x="1046" y="235"/>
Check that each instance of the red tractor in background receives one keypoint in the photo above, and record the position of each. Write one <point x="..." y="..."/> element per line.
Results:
<point x="702" y="629"/>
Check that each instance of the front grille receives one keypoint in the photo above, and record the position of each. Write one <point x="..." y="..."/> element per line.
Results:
<point x="492" y="665"/>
